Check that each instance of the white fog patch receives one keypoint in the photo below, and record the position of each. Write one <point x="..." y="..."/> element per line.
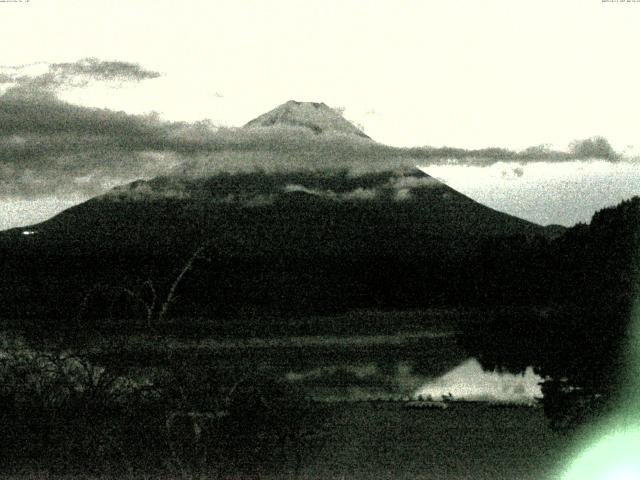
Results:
<point x="356" y="194"/>
<point x="469" y="381"/>
<point x="399" y="187"/>
<point x="403" y="194"/>
<point x="361" y="194"/>
<point x="410" y="182"/>
<point x="301" y="188"/>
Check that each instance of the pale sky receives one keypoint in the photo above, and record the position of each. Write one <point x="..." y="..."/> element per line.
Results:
<point x="463" y="73"/>
<point x="544" y="193"/>
<point x="467" y="74"/>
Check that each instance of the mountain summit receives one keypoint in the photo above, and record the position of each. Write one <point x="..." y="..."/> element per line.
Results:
<point x="317" y="117"/>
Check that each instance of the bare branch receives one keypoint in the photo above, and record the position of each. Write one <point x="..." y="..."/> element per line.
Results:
<point x="174" y="286"/>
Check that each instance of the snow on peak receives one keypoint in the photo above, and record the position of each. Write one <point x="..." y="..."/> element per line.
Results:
<point x="317" y="117"/>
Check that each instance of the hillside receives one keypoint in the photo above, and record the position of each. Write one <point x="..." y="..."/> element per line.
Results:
<point x="293" y="239"/>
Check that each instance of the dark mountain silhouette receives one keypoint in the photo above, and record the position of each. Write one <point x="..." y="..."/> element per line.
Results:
<point x="310" y="211"/>
<point x="299" y="240"/>
<point x="302" y="239"/>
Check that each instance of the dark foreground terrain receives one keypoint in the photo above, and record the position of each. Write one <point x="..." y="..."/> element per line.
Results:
<point x="467" y="441"/>
<point x="127" y="380"/>
<point x="384" y="441"/>
<point x="180" y="407"/>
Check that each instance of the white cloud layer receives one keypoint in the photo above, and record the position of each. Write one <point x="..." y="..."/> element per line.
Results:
<point x="545" y="192"/>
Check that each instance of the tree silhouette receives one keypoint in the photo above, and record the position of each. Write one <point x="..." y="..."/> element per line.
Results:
<point x="594" y="147"/>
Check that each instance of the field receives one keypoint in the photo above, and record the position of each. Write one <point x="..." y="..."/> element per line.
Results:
<point x="384" y="441"/>
<point x="467" y="441"/>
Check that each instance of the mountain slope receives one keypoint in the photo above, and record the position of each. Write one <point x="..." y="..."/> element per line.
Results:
<point x="329" y="228"/>
<point x="304" y="210"/>
<point x="297" y="242"/>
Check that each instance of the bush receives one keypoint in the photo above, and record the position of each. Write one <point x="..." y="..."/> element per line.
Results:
<point x="594" y="147"/>
<point x="237" y="421"/>
<point x="65" y="414"/>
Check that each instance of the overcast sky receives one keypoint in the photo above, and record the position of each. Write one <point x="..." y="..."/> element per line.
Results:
<point x="466" y="74"/>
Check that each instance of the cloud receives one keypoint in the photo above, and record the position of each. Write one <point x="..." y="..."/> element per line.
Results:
<point x="403" y="183"/>
<point x="547" y="192"/>
<point x="48" y="147"/>
<point x="594" y="148"/>
<point x="32" y="119"/>
<point x="260" y="188"/>
<point x="47" y="78"/>
<point x="357" y="194"/>
<point x="104" y="70"/>
<point x="51" y="148"/>
<point x="76" y="174"/>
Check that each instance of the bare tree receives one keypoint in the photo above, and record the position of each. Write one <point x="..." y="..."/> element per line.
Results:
<point x="145" y="294"/>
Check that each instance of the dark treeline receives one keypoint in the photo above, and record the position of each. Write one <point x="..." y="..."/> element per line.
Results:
<point x="586" y="273"/>
<point x="582" y="345"/>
